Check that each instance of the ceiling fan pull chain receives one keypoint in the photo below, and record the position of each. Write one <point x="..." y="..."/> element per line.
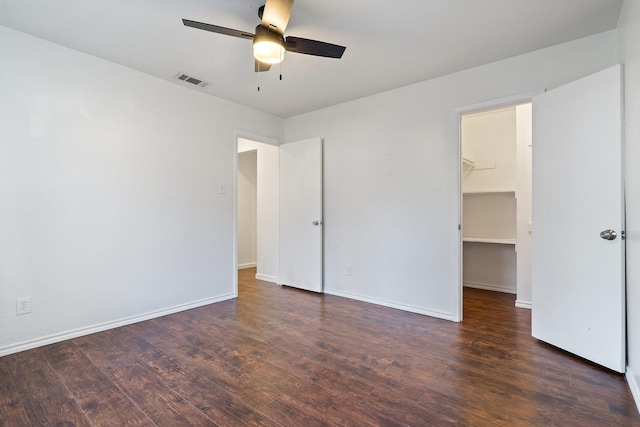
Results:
<point x="259" y="65"/>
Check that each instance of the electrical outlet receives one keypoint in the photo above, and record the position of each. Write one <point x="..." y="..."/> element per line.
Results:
<point x="349" y="270"/>
<point x="23" y="305"/>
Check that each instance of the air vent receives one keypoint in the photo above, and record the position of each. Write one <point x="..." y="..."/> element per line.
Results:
<point x="190" y="79"/>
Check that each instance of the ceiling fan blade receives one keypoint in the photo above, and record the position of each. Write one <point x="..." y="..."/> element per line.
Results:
<point x="217" y="29"/>
<point x="314" y="47"/>
<point x="276" y="14"/>
<point x="261" y="66"/>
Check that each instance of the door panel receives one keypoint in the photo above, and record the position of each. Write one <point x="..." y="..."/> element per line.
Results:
<point x="578" y="277"/>
<point x="301" y="214"/>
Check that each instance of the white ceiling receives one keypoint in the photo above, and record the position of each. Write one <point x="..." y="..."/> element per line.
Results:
<point x="389" y="43"/>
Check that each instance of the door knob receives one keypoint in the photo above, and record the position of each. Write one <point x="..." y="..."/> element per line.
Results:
<point x="608" y="234"/>
<point x="316" y="223"/>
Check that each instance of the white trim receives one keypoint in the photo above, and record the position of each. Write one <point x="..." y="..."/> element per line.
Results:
<point x="74" y="333"/>
<point x="498" y="103"/>
<point x="633" y="386"/>
<point x="234" y="242"/>
<point x="238" y="133"/>
<point x="523" y="304"/>
<point x="247" y="265"/>
<point x="404" y="307"/>
<point x="457" y="303"/>
<point x="489" y="287"/>
<point x="267" y="278"/>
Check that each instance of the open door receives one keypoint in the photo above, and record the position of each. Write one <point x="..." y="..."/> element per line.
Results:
<point x="301" y="214"/>
<point x="578" y="219"/>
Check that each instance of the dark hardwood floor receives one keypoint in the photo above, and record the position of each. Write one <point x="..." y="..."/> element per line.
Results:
<point x="277" y="356"/>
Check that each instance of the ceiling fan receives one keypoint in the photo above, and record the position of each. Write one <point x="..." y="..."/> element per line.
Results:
<point x="269" y="42"/>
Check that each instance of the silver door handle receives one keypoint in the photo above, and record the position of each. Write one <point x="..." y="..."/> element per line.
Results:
<point x="317" y="223"/>
<point x="608" y="235"/>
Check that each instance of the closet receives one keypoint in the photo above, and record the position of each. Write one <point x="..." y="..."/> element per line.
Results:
<point x="496" y="194"/>
<point x="257" y="208"/>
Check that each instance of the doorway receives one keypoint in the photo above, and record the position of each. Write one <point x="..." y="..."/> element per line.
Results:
<point x="256" y="206"/>
<point x="495" y="198"/>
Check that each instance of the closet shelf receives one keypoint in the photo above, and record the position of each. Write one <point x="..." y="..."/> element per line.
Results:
<point x="489" y="240"/>
<point x="488" y="192"/>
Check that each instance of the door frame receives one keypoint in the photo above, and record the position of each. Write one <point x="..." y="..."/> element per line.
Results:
<point x="237" y="134"/>
<point x="457" y="169"/>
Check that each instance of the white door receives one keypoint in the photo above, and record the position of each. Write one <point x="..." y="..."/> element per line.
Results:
<point x="301" y="214"/>
<point x="578" y="276"/>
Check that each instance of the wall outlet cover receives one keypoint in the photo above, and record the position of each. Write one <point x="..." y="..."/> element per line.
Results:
<point x="23" y="305"/>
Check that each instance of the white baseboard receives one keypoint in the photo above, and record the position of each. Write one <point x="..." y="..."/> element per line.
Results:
<point x="266" y="278"/>
<point x="488" y="287"/>
<point x="74" y="333"/>
<point x="633" y="385"/>
<point x="523" y="304"/>
<point x="410" y="308"/>
<point x="247" y="265"/>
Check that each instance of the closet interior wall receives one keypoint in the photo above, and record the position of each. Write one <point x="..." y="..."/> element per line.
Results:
<point x="494" y="174"/>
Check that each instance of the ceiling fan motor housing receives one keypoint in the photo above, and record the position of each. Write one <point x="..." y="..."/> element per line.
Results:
<point x="264" y="33"/>
<point x="268" y="45"/>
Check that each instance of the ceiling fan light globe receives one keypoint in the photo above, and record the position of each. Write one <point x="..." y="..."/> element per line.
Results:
<point x="269" y="52"/>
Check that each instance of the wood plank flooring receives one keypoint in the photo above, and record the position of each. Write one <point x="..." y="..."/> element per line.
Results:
<point x="277" y="356"/>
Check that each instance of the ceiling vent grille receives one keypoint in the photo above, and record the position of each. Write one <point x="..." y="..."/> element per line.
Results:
<point x="190" y="79"/>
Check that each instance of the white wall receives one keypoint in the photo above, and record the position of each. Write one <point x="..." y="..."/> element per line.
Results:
<point x="267" y="210"/>
<point x="489" y="266"/>
<point x="109" y="185"/>
<point x="247" y="208"/>
<point x="489" y="140"/>
<point x="489" y="216"/>
<point x="391" y="175"/>
<point x="268" y="213"/>
<point x="524" y="207"/>
<point x="629" y="44"/>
